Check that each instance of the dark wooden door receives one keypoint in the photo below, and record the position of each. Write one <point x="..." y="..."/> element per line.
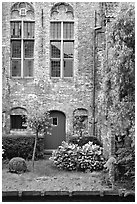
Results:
<point x="58" y="130"/>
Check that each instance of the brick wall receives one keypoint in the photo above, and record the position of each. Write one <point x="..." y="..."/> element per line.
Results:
<point x="64" y="95"/>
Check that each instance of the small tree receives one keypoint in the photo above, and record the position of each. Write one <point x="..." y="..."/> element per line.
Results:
<point x="39" y="121"/>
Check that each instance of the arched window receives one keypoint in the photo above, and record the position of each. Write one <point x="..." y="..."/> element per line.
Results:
<point x="22" y="29"/>
<point x="62" y="40"/>
<point x="18" y="119"/>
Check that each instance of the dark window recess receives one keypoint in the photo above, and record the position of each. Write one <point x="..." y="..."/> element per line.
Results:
<point x="55" y="121"/>
<point x="18" y="122"/>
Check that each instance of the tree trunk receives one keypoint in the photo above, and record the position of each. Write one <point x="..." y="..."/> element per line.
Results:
<point x="34" y="150"/>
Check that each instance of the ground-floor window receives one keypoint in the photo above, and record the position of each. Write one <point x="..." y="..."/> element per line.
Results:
<point x="18" y="122"/>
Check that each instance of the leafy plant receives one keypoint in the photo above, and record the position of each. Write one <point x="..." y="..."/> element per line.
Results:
<point x="126" y="163"/>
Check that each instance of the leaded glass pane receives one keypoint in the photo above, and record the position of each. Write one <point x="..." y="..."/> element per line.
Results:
<point x="68" y="68"/>
<point x="16" y="49"/>
<point x="29" y="49"/>
<point x="28" y="68"/>
<point x="55" y="68"/>
<point x="68" y="30"/>
<point x="15" y="29"/>
<point x="55" y="30"/>
<point x="68" y="49"/>
<point x="55" y="49"/>
<point x="29" y="29"/>
<point x="16" y="68"/>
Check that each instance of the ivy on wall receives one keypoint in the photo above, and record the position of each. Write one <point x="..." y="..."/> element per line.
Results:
<point x="116" y="94"/>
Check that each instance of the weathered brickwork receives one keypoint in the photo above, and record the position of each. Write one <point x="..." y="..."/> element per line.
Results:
<point x="63" y="94"/>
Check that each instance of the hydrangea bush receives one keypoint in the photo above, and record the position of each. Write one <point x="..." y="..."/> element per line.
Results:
<point x="70" y="156"/>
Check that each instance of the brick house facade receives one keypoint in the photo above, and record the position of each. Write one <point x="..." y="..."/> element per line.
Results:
<point x="55" y="65"/>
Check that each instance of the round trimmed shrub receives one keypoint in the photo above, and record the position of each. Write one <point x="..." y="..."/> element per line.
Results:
<point x="17" y="165"/>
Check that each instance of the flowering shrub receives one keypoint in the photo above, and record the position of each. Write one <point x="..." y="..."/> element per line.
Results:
<point x="70" y="156"/>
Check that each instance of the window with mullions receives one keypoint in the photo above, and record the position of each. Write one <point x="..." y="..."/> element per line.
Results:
<point x="22" y="48"/>
<point x="62" y="48"/>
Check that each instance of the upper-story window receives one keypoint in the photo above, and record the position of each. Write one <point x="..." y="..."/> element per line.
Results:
<point x="22" y="28"/>
<point x="62" y="40"/>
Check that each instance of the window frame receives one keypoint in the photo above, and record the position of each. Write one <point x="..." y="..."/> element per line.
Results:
<point x="22" y="39"/>
<point x="62" y="40"/>
<point x="53" y="121"/>
<point x="22" y="117"/>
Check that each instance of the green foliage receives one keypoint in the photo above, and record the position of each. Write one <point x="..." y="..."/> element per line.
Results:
<point x="122" y="116"/>
<point x="121" y="93"/>
<point x="126" y="163"/>
<point x="122" y="52"/>
<point x="22" y="147"/>
<point x="17" y="165"/>
<point x="116" y="98"/>
<point x="70" y="157"/>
